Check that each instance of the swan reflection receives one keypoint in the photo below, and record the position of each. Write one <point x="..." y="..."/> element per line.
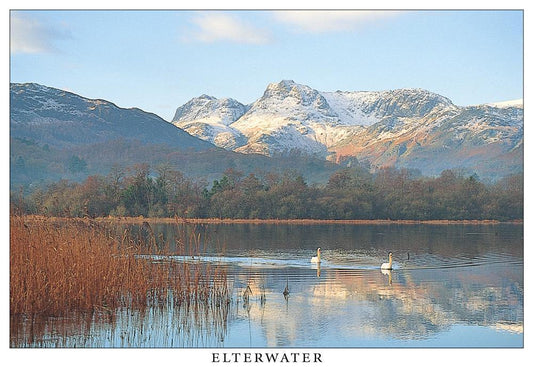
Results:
<point x="388" y="273"/>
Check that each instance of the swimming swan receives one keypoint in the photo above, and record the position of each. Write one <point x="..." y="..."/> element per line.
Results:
<point x="316" y="259"/>
<point x="387" y="266"/>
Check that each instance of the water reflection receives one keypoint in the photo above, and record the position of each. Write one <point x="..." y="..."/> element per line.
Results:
<point x="388" y="273"/>
<point x="169" y="326"/>
<point x="445" y="278"/>
<point x="350" y="307"/>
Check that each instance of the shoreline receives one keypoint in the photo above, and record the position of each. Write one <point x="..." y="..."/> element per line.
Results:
<point x="178" y="220"/>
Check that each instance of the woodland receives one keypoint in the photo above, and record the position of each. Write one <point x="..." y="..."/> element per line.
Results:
<point x="350" y="193"/>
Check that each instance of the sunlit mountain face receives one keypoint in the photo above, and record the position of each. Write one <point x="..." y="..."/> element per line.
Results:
<point x="412" y="128"/>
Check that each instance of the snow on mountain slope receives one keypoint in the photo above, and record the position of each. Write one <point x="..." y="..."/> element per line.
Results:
<point x="302" y="118"/>
<point x="367" y="108"/>
<point x="214" y="132"/>
<point x="513" y="103"/>
<point x="384" y="128"/>
<point x="61" y="118"/>
<point x="208" y="118"/>
<point x="290" y="100"/>
<point x="349" y="107"/>
<point x="210" y="110"/>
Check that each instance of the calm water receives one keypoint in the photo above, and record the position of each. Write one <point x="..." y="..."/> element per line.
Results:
<point x="451" y="286"/>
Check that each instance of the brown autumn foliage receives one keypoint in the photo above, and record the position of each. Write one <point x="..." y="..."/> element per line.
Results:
<point x="65" y="265"/>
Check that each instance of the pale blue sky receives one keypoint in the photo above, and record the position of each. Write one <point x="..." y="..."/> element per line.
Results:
<point x="158" y="60"/>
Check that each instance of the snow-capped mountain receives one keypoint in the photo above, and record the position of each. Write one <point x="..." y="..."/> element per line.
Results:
<point x="49" y="127"/>
<point x="216" y="111"/>
<point x="209" y="118"/>
<point x="61" y="118"/>
<point x="413" y="128"/>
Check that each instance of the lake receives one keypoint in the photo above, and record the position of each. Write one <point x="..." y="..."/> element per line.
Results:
<point x="451" y="286"/>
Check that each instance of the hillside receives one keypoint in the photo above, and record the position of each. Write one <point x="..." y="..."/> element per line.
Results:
<point x="55" y="134"/>
<point x="411" y="128"/>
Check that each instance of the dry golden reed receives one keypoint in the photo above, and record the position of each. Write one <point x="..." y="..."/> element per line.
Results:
<point x="63" y="265"/>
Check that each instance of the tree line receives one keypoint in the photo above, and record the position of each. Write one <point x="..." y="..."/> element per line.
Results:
<point x="352" y="193"/>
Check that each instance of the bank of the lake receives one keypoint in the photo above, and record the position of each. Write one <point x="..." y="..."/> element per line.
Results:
<point x="142" y="219"/>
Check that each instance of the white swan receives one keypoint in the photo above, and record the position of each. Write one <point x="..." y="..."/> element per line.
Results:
<point x="316" y="259"/>
<point x="387" y="266"/>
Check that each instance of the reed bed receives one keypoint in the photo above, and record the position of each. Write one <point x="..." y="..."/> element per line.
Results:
<point x="59" y="266"/>
<point x="161" y="327"/>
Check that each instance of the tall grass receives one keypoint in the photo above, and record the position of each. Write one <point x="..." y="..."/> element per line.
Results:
<point x="59" y="266"/>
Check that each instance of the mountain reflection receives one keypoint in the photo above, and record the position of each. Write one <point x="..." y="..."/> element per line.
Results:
<point x="344" y="305"/>
<point x="337" y="309"/>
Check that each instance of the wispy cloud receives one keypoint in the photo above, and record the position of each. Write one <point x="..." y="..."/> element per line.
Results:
<point x="213" y="27"/>
<point x="29" y="35"/>
<point x="332" y="20"/>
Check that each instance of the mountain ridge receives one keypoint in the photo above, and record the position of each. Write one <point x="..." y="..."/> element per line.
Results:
<point x="57" y="117"/>
<point x="59" y="135"/>
<point x="383" y="128"/>
<point x="411" y="128"/>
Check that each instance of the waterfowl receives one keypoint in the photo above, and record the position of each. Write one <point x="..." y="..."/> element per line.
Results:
<point x="387" y="266"/>
<point x="316" y="259"/>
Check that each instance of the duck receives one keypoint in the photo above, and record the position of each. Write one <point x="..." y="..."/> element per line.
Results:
<point x="316" y="259"/>
<point x="387" y="266"/>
